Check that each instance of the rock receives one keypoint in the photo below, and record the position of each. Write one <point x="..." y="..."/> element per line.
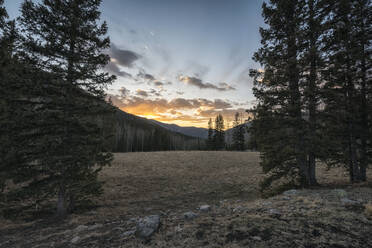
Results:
<point x="81" y="228"/>
<point x="274" y="213"/>
<point x="238" y="209"/>
<point x="178" y="229"/>
<point x="267" y="203"/>
<point x="190" y="215"/>
<point x="340" y="193"/>
<point x="257" y="238"/>
<point x="75" y="239"/>
<point x="205" y="208"/>
<point x="290" y="192"/>
<point x="129" y="233"/>
<point x="147" y="226"/>
<point x="346" y="201"/>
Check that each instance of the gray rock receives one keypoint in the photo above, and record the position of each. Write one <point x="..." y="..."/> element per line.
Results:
<point x="75" y="239"/>
<point x="290" y="192"/>
<point x="129" y="233"/>
<point x="345" y="201"/>
<point x="274" y="212"/>
<point x="147" y="226"/>
<point x="190" y="215"/>
<point x="80" y="228"/>
<point x="257" y="238"/>
<point x="205" y="208"/>
<point x="238" y="209"/>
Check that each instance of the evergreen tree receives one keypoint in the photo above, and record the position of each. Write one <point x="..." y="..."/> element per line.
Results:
<point x="238" y="133"/>
<point x="210" y="142"/>
<point x="64" y="41"/>
<point x="219" y="133"/>
<point x="346" y="89"/>
<point x="10" y="89"/>
<point x="280" y="122"/>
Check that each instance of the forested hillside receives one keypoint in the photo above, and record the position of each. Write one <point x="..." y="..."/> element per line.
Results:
<point x="132" y="133"/>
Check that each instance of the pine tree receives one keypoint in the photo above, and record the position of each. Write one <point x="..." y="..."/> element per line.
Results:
<point x="219" y="133"/>
<point x="346" y="89"/>
<point x="210" y="142"/>
<point x="238" y="133"/>
<point x="280" y="122"/>
<point x="64" y="41"/>
<point x="10" y="89"/>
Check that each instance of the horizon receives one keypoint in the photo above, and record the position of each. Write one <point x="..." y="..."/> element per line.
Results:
<point x="164" y="55"/>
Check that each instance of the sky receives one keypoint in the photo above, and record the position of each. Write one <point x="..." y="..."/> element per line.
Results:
<point x="180" y="61"/>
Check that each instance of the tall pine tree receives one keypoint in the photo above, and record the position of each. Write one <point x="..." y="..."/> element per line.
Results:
<point x="280" y="121"/>
<point x="63" y="39"/>
<point x="347" y="88"/>
<point x="210" y="142"/>
<point x="238" y="133"/>
<point x="219" y="133"/>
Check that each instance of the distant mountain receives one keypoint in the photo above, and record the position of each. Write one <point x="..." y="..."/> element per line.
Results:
<point x="197" y="132"/>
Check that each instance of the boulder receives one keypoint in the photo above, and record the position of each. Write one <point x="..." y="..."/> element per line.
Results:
<point x="75" y="239"/>
<point x="205" y="208"/>
<point x="147" y="226"/>
<point x="275" y="213"/>
<point x="190" y="215"/>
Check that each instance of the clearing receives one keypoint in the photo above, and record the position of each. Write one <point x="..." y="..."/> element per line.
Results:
<point x="172" y="183"/>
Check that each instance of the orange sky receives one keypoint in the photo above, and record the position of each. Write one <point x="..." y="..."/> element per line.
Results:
<point x="180" y="111"/>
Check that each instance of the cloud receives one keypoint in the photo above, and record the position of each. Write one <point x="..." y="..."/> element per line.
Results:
<point x="121" y="57"/>
<point x="114" y="69"/>
<point x="146" y="76"/>
<point x="226" y="86"/>
<point x="200" y="84"/>
<point x="124" y="92"/>
<point x="160" y="84"/>
<point x="142" y="93"/>
<point x="182" y="111"/>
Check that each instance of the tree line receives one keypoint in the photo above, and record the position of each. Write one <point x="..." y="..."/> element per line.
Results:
<point x="134" y="134"/>
<point x="217" y="136"/>
<point x="52" y="103"/>
<point x="314" y="89"/>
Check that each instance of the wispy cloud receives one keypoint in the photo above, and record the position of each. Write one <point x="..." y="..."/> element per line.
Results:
<point x="200" y="84"/>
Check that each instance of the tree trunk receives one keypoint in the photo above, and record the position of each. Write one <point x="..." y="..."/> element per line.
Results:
<point x="364" y="106"/>
<point x="312" y="97"/>
<point x="295" y="114"/>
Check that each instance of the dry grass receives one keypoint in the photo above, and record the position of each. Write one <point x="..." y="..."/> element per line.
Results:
<point x="153" y="182"/>
<point x="137" y="183"/>
<point x="149" y="182"/>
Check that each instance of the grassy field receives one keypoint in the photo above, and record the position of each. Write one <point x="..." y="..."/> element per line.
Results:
<point x="149" y="182"/>
<point x="171" y="183"/>
<point x="138" y="183"/>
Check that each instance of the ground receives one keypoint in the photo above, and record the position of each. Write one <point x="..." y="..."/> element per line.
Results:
<point x="171" y="183"/>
